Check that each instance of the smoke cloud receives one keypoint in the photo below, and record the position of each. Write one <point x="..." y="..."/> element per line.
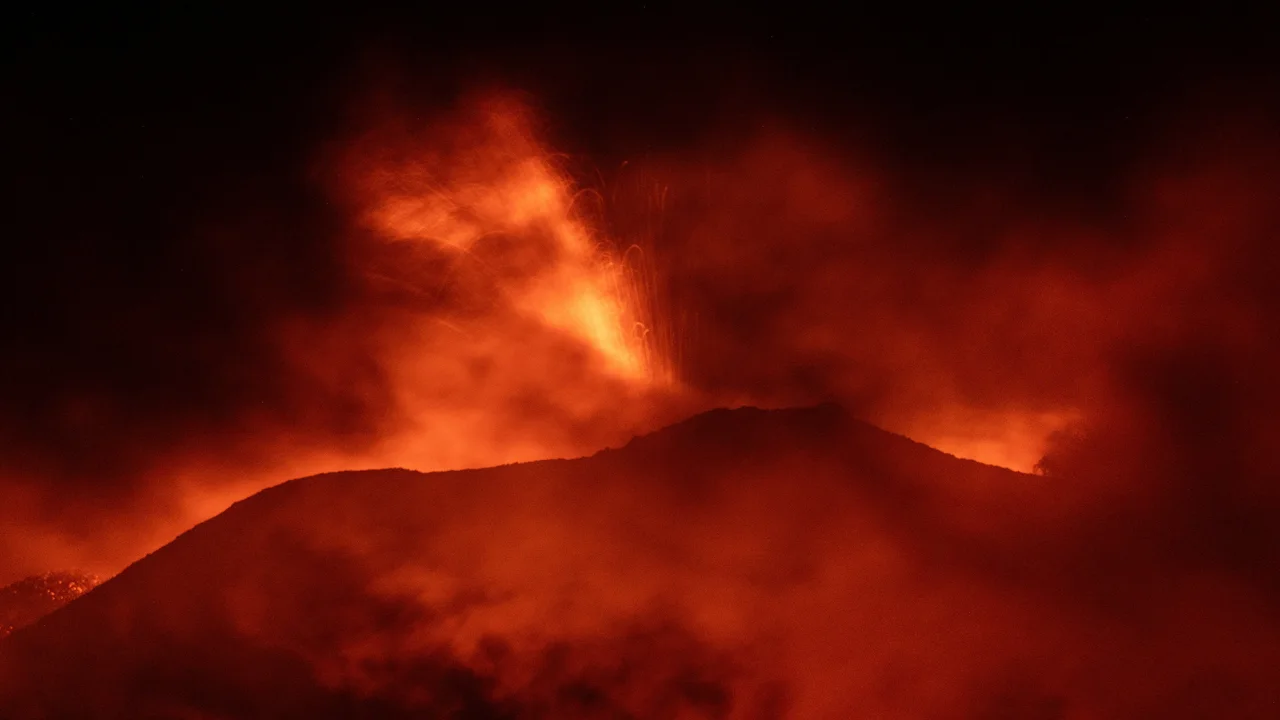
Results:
<point x="431" y="283"/>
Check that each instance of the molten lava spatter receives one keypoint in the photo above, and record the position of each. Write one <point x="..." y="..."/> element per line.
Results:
<point x="28" y="600"/>
<point x="499" y="204"/>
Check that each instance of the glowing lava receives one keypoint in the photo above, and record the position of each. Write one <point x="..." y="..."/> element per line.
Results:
<point x="500" y="203"/>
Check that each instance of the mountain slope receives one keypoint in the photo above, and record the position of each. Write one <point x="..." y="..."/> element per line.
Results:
<point x="744" y="563"/>
<point x="29" y="599"/>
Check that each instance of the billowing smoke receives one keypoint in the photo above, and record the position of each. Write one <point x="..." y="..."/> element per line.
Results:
<point x="308" y="277"/>
<point x="743" y="564"/>
<point x="469" y="311"/>
<point x="431" y="284"/>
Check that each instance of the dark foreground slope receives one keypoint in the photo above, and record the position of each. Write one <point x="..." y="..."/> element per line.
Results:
<point x="746" y="563"/>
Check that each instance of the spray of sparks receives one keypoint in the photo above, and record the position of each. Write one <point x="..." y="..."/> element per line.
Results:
<point x="555" y="267"/>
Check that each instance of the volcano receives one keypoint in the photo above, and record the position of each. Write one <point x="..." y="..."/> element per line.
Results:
<point x="742" y="564"/>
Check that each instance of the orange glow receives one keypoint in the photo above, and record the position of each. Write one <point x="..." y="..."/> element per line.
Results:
<point x="502" y="310"/>
<point x="1010" y="439"/>
<point x="557" y="269"/>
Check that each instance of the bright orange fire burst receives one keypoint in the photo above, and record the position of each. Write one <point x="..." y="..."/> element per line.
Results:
<point x="507" y="188"/>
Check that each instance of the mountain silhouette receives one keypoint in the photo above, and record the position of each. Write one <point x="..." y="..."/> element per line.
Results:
<point x="742" y="564"/>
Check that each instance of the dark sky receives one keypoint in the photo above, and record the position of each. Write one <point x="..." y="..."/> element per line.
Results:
<point x="163" y="213"/>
